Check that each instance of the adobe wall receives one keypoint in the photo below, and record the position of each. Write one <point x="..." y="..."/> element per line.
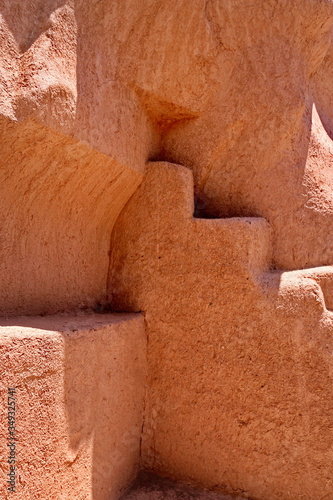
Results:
<point x="239" y="356"/>
<point x="79" y="393"/>
<point x="239" y="334"/>
<point x="226" y="89"/>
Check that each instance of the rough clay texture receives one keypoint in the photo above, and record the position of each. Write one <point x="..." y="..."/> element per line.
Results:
<point x="240" y="357"/>
<point x="239" y="350"/>
<point x="59" y="201"/>
<point x="150" y="487"/>
<point x="80" y="385"/>
<point x="226" y="88"/>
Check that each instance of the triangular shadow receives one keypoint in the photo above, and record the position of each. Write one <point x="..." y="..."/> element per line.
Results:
<point x="28" y="20"/>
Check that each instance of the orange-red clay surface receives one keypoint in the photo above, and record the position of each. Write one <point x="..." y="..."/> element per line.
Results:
<point x="119" y="121"/>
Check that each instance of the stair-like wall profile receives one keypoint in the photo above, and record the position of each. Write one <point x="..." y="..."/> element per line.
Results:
<point x="172" y="316"/>
<point x="239" y="355"/>
<point x="214" y="368"/>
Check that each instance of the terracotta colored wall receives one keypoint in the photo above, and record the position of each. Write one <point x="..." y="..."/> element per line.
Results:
<point x="239" y="92"/>
<point x="230" y="97"/>
<point x="80" y="385"/>
<point x="239" y="356"/>
<point x="59" y="201"/>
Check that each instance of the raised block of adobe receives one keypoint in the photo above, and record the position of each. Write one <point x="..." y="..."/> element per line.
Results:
<point x="239" y="356"/>
<point x="79" y="387"/>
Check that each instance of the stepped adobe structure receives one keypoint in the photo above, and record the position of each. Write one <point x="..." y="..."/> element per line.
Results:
<point x="166" y="249"/>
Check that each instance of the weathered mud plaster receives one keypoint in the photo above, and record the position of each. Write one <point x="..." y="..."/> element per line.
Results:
<point x="240" y="357"/>
<point x="59" y="201"/>
<point x="151" y="487"/>
<point x="225" y="88"/>
<point x="80" y="385"/>
<point x="240" y="93"/>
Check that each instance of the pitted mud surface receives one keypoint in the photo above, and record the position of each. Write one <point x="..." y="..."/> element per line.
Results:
<point x="151" y="487"/>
